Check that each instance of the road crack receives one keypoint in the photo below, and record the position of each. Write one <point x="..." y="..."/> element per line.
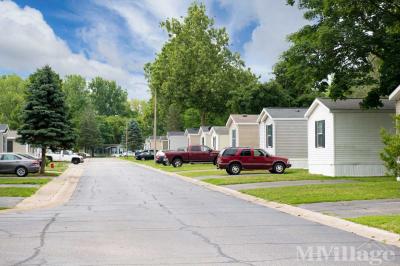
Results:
<point x="42" y="241"/>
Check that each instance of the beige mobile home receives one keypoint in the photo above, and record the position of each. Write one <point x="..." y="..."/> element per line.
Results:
<point x="344" y="140"/>
<point x="283" y="132"/>
<point x="3" y="137"/>
<point x="205" y="137"/>
<point x="219" y="138"/>
<point x="243" y="130"/>
<point x="192" y="136"/>
<point x="161" y="143"/>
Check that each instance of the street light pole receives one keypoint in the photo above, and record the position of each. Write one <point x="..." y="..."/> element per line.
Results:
<point x="155" y="125"/>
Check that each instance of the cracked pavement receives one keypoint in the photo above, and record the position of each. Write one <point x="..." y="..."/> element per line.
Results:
<point x="123" y="214"/>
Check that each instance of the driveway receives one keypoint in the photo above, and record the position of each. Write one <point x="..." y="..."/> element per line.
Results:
<point x="122" y="214"/>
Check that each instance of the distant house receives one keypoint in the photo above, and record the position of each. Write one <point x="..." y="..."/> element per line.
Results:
<point x="243" y="130"/>
<point x="14" y="146"/>
<point x="283" y="132"/>
<point x="395" y="96"/>
<point x="344" y="140"/>
<point x="192" y="136"/>
<point x="161" y="143"/>
<point x="176" y="140"/>
<point x="219" y="138"/>
<point x="3" y="137"/>
<point x="205" y="137"/>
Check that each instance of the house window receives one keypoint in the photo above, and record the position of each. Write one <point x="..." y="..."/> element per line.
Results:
<point x="320" y="134"/>
<point x="10" y="146"/>
<point x="269" y="136"/>
<point x="214" y="142"/>
<point x="233" y="137"/>
<point x="202" y="141"/>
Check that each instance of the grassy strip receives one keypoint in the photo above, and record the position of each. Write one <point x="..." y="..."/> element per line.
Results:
<point x="289" y="175"/>
<point x="169" y="168"/>
<point x="329" y="193"/>
<point x="30" y="181"/>
<point x="3" y="208"/>
<point x="17" y="191"/>
<point x="387" y="222"/>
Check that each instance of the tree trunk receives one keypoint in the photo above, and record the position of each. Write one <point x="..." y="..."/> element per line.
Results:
<point x="92" y="151"/>
<point x="203" y="118"/>
<point x="43" y="166"/>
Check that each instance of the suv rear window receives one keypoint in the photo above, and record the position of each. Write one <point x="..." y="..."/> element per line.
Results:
<point x="229" y="152"/>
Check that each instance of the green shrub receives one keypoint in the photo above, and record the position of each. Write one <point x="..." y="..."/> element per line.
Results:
<point x="391" y="153"/>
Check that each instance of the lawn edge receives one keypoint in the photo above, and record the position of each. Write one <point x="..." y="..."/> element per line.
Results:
<point x="372" y="233"/>
<point x="56" y="192"/>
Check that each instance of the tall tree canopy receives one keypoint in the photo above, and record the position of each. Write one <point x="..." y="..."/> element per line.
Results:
<point x="108" y="98"/>
<point x="195" y="68"/>
<point x="350" y="45"/>
<point x="89" y="136"/>
<point x="45" y="120"/>
<point x="12" y="100"/>
<point x="135" y="137"/>
<point x="76" y="96"/>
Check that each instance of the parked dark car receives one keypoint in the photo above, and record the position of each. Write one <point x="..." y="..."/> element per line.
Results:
<point x="145" y="155"/>
<point x="193" y="154"/>
<point x="234" y="160"/>
<point x="28" y="156"/>
<point x="11" y="163"/>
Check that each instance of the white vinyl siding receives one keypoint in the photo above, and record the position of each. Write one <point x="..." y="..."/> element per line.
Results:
<point x="261" y="127"/>
<point x="321" y="161"/>
<point x="175" y="142"/>
<point x="291" y="139"/>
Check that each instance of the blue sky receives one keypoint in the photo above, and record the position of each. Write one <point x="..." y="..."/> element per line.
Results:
<point x="115" y="38"/>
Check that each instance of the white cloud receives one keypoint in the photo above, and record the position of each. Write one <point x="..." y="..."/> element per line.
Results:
<point x="268" y="40"/>
<point x="27" y="42"/>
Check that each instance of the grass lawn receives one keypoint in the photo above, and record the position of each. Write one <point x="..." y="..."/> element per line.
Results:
<point x="289" y="175"/>
<point x="30" y="181"/>
<point x="329" y="193"/>
<point x="3" y="208"/>
<point x="387" y="222"/>
<point x="17" y="191"/>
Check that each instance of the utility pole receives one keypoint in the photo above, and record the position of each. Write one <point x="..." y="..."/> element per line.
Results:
<point x="126" y="138"/>
<point x="155" y="125"/>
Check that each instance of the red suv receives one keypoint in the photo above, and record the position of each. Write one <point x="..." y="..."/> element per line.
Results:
<point x="234" y="160"/>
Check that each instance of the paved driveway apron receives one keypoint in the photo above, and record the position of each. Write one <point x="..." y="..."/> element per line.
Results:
<point x="122" y="214"/>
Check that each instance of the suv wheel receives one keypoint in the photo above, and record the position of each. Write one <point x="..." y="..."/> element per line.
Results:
<point x="177" y="162"/>
<point x="235" y="168"/>
<point x="75" y="161"/>
<point x="21" y="171"/>
<point x="279" y="168"/>
<point x="227" y="170"/>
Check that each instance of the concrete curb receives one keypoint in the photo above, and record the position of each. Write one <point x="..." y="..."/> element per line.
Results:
<point x="358" y="229"/>
<point x="56" y="192"/>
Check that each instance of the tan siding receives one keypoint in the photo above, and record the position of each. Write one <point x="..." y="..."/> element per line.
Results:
<point x="194" y="139"/>
<point x="249" y="136"/>
<point x="291" y="138"/>
<point x="357" y="137"/>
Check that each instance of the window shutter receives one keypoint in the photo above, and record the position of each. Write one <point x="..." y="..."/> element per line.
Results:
<point x="316" y="134"/>
<point x="323" y="134"/>
<point x="272" y="135"/>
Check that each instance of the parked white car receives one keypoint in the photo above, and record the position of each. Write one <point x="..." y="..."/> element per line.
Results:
<point x="64" y="156"/>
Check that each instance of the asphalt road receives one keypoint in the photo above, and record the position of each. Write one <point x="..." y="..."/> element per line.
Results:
<point x="122" y="214"/>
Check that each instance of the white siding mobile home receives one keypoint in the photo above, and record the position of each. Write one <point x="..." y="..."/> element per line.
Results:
<point x="176" y="140"/>
<point x="205" y="137"/>
<point x="344" y="140"/>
